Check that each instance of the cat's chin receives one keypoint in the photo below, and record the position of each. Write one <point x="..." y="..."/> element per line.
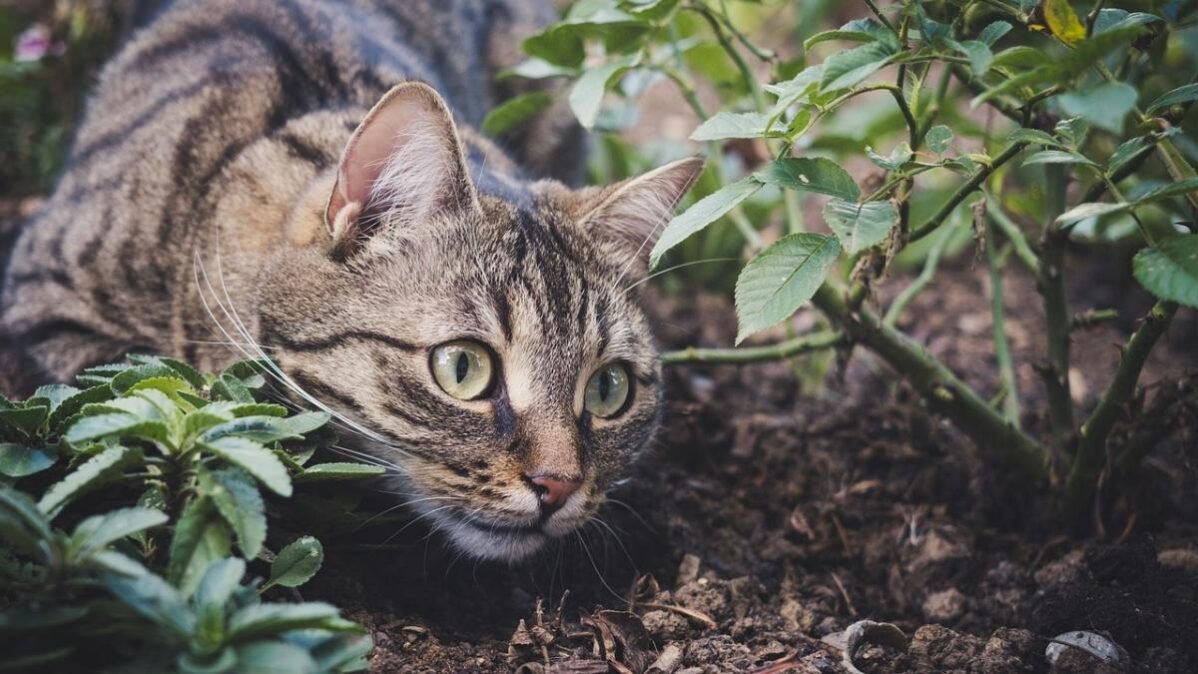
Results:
<point x="500" y="546"/>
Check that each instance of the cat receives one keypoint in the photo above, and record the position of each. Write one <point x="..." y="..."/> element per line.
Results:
<point x="304" y="179"/>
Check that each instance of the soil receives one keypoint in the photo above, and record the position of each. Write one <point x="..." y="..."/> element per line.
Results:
<point x="766" y="522"/>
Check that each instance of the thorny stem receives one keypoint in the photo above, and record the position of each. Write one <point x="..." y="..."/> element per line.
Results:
<point x="1002" y="350"/>
<point x="1051" y="283"/>
<point x="945" y="393"/>
<point x="1014" y="234"/>
<point x="755" y="354"/>
<point x="873" y="6"/>
<point x="964" y="191"/>
<point x="1091" y="453"/>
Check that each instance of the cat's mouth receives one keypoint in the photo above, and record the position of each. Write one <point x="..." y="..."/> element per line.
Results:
<point x="500" y="540"/>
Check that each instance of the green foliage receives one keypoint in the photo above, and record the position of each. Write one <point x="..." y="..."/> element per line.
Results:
<point x="122" y="506"/>
<point x="1059" y="85"/>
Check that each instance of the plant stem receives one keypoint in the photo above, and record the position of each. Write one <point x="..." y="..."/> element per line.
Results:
<point x="816" y="341"/>
<point x="1051" y="283"/>
<point x="873" y="6"/>
<point x="1014" y="234"/>
<point x="1091" y="454"/>
<point x="1002" y="350"/>
<point x="937" y="384"/>
<point x="974" y="182"/>
<point x="930" y="264"/>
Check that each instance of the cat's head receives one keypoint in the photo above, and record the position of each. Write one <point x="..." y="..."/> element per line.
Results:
<point x="491" y="342"/>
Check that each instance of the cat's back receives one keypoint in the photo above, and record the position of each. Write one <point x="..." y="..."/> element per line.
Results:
<point x="173" y="115"/>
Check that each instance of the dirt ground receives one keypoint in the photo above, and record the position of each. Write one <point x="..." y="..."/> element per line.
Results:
<point x="765" y="523"/>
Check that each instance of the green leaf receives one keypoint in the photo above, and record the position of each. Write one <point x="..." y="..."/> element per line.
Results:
<point x="1182" y="94"/>
<point x="1033" y="137"/>
<point x="259" y="620"/>
<point x="99" y="531"/>
<point x="1172" y="189"/>
<point x="979" y="55"/>
<point x="274" y="657"/>
<point x="119" y="425"/>
<point x="22" y="460"/>
<point x="153" y="598"/>
<point x="296" y="563"/>
<point x="267" y="429"/>
<point x="20" y="515"/>
<point x="26" y="420"/>
<point x="859" y="30"/>
<point x="343" y="654"/>
<point x="236" y="409"/>
<point x="992" y="33"/>
<point x="704" y="212"/>
<point x="783" y="277"/>
<point x="189" y="373"/>
<point x="125" y="380"/>
<point x="90" y="474"/>
<point x="254" y="459"/>
<point x="228" y="387"/>
<point x="1057" y="157"/>
<point x="27" y="619"/>
<point x="54" y="395"/>
<point x="815" y="174"/>
<point x="200" y="538"/>
<point x="860" y="226"/>
<point x="1126" y="151"/>
<point x="848" y="68"/>
<point x="339" y="470"/>
<point x="534" y="69"/>
<point x="1063" y="21"/>
<point x="797" y="89"/>
<point x="724" y="125"/>
<point x="1104" y="106"/>
<point x="514" y="111"/>
<point x="939" y="138"/>
<point x="586" y="98"/>
<point x="221" y="579"/>
<point x="240" y="504"/>
<point x="1088" y="210"/>
<point x="898" y="157"/>
<point x="72" y="405"/>
<point x="1169" y="270"/>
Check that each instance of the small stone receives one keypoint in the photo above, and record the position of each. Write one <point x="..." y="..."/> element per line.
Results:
<point x="944" y="606"/>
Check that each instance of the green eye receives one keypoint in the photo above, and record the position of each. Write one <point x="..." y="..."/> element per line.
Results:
<point x="463" y="369"/>
<point x="607" y="391"/>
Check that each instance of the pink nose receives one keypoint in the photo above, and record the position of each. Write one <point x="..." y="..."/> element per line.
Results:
<point x="552" y="491"/>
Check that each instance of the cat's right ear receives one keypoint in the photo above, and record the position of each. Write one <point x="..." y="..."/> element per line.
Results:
<point x="403" y="165"/>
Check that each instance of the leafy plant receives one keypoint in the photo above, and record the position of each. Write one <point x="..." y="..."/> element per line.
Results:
<point x="1084" y="97"/>
<point x="149" y="512"/>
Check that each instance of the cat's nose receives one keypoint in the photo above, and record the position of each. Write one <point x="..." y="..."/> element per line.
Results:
<point x="552" y="491"/>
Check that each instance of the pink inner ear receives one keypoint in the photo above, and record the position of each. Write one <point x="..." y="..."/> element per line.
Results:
<point x="384" y="132"/>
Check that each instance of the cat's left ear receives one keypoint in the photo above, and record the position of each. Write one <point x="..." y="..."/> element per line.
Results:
<point x="630" y="215"/>
<point x="403" y="165"/>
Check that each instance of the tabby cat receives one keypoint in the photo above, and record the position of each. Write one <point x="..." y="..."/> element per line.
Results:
<point x="303" y="178"/>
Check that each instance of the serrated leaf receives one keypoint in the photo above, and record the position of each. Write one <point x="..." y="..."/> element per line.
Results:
<point x="1126" y="152"/>
<point x="90" y="474"/>
<point x="860" y="225"/>
<point x="1088" y="210"/>
<point x="54" y="394"/>
<point x="22" y="512"/>
<point x="979" y="55"/>
<point x="939" y="138"/>
<point x="993" y="32"/>
<point x="815" y="174"/>
<point x="1063" y="21"/>
<point x="154" y="599"/>
<point x="514" y="111"/>
<point x="213" y="593"/>
<point x="259" y="620"/>
<point x="1172" y="189"/>
<point x="125" y="379"/>
<point x="75" y="403"/>
<point x="898" y="157"/>
<point x="237" y="409"/>
<point x="1057" y="157"/>
<point x="858" y="30"/>
<point x="1105" y="105"/>
<point x="118" y="424"/>
<point x="1169" y="269"/>
<point x="848" y="68"/>
<point x="586" y="97"/>
<point x="26" y="420"/>
<point x="1182" y="94"/>
<point x="237" y="499"/>
<point x="267" y="429"/>
<point x="23" y="460"/>
<point x="296" y="563"/>
<point x="274" y="657"/>
<point x="1033" y="137"/>
<point x="724" y="125"/>
<point x="200" y="538"/>
<point x="704" y="212"/>
<point x="254" y="459"/>
<point x="228" y="387"/>
<point x="99" y="531"/>
<point x="782" y="278"/>
<point x="339" y="470"/>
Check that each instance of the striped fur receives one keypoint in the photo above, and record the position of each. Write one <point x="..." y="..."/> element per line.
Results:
<point x="191" y="221"/>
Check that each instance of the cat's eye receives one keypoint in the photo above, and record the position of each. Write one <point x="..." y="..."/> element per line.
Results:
<point x="608" y="391"/>
<point x="463" y="369"/>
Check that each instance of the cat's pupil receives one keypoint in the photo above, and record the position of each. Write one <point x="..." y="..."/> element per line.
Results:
<point x="462" y="367"/>
<point x="604" y="385"/>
